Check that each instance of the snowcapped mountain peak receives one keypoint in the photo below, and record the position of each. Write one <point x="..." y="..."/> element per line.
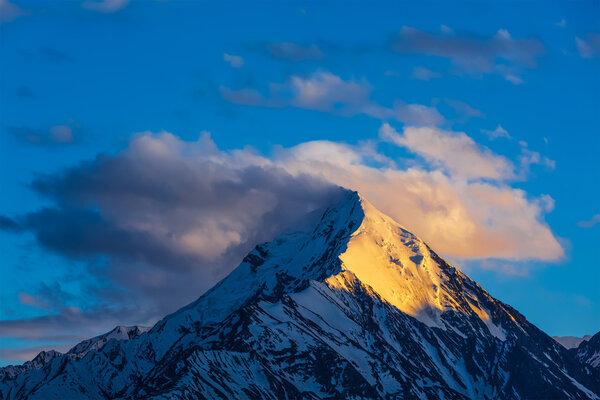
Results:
<point x="98" y="342"/>
<point x="396" y="264"/>
<point x="351" y="235"/>
<point x="348" y="305"/>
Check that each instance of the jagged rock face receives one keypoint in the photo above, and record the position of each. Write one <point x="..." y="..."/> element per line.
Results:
<point x="350" y="306"/>
<point x="588" y="351"/>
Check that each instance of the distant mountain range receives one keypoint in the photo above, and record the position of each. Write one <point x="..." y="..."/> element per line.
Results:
<point x="571" y="342"/>
<point x="350" y="305"/>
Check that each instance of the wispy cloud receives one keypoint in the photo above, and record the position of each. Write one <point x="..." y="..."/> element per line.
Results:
<point x="54" y="135"/>
<point x="104" y="6"/>
<point x="464" y="109"/>
<point x="326" y="92"/>
<point x="10" y="11"/>
<point x="233" y="60"/>
<point x="498" y="54"/>
<point x="499" y="132"/>
<point x="424" y="74"/>
<point x="294" y="52"/>
<point x="588" y="47"/>
<point x="595" y="220"/>
<point x="529" y="158"/>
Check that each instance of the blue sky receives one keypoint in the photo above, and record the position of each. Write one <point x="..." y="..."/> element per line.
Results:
<point x="147" y="145"/>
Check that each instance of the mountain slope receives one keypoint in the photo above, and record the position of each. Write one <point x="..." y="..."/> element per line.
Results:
<point x="77" y="351"/>
<point x="351" y="305"/>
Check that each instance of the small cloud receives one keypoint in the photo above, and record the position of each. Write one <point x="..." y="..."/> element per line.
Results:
<point x="61" y="134"/>
<point x="234" y="61"/>
<point x="446" y="30"/>
<point x="562" y="23"/>
<point x="416" y="114"/>
<point x="104" y="6"/>
<point x="499" y="132"/>
<point x="529" y="158"/>
<point x="513" y="79"/>
<point x="595" y="220"/>
<point x="9" y="11"/>
<point x="27" y="299"/>
<point x="54" y="135"/>
<point x="424" y="74"/>
<point x="464" y="109"/>
<point x="590" y="47"/>
<point x="294" y="52"/>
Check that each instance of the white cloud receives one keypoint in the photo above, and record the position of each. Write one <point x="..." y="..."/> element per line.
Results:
<point x="323" y="90"/>
<point x="326" y="92"/>
<point x="529" y="157"/>
<point x="233" y="60"/>
<point x="456" y="217"/>
<point x="496" y="133"/>
<point x="454" y="152"/>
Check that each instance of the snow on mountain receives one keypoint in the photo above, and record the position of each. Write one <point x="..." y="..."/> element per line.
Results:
<point x="571" y="342"/>
<point x="351" y="305"/>
<point x="588" y="352"/>
<point x="98" y="342"/>
<point x="77" y="351"/>
<point x="43" y="358"/>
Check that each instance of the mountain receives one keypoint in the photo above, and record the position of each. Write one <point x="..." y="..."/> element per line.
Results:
<point x="98" y="342"/>
<point x="43" y="358"/>
<point x="77" y="351"/>
<point x="571" y="342"/>
<point x="588" y="352"/>
<point x="349" y="306"/>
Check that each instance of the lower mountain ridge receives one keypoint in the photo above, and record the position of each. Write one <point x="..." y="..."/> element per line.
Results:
<point x="349" y="306"/>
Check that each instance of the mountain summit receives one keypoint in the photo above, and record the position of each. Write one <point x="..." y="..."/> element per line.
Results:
<point x="351" y="305"/>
